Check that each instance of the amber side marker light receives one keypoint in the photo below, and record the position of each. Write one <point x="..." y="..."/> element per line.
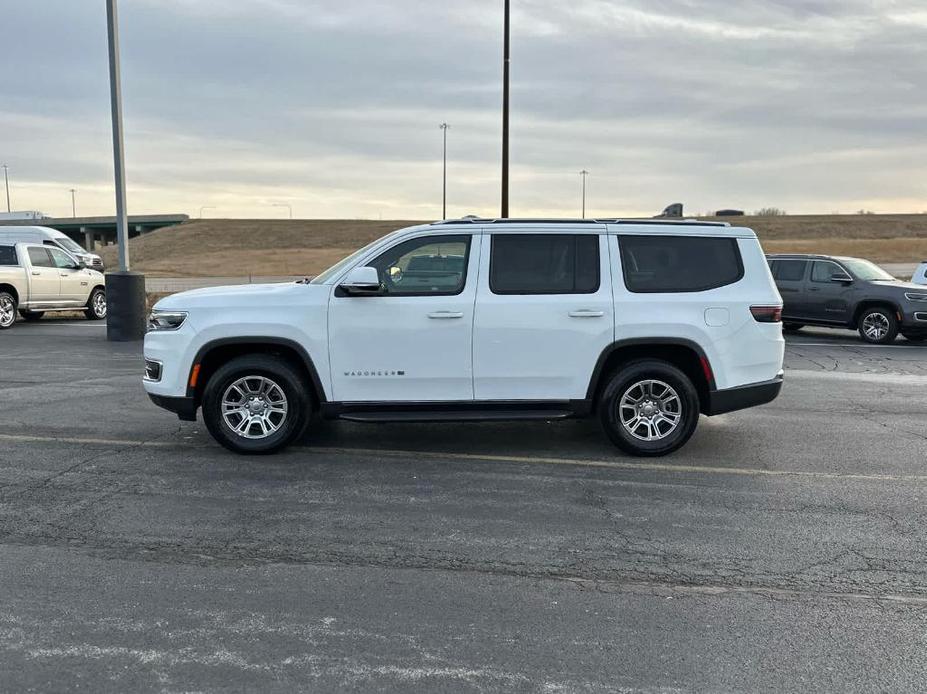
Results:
<point x="767" y="314"/>
<point x="194" y="375"/>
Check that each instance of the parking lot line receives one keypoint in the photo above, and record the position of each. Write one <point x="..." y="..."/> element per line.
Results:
<point x="488" y="457"/>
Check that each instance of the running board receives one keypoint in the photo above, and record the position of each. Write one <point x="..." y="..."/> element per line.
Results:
<point x="454" y="416"/>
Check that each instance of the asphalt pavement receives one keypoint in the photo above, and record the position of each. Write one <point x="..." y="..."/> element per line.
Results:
<point x="781" y="550"/>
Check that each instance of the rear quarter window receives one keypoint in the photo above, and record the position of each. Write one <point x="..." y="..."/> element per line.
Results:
<point x="8" y="256"/>
<point x="655" y="263"/>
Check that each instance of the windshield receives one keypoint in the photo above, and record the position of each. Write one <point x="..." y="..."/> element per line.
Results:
<point x="864" y="270"/>
<point x="69" y="245"/>
<point x="334" y="270"/>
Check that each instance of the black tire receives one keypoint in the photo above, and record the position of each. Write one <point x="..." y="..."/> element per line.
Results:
<point x="32" y="315"/>
<point x="792" y="327"/>
<point x="8" y="305"/>
<point x="287" y="378"/>
<point x="624" y="381"/>
<point x="882" y="317"/>
<point x="94" y="310"/>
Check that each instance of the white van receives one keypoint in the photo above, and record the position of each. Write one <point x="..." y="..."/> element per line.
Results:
<point x="50" y="237"/>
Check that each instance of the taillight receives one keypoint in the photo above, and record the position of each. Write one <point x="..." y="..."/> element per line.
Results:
<point x="767" y="314"/>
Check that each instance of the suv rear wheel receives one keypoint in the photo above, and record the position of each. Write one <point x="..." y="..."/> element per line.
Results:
<point x="878" y="325"/>
<point x="649" y="408"/>
<point x="7" y="310"/>
<point x="256" y="404"/>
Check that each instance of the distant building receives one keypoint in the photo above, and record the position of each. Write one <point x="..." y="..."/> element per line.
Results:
<point x="729" y="213"/>
<point x="30" y="215"/>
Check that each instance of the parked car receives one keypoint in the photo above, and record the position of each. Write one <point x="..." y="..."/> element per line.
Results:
<point x="920" y="274"/>
<point x="37" y="279"/>
<point x="50" y="237"/>
<point x="853" y="293"/>
<point x="641" y="324"/>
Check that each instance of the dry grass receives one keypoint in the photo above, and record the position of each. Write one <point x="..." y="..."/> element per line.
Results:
<point x="239" y="247"/>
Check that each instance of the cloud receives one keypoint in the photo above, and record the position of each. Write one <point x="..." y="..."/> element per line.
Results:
<point x="333" y="107"/>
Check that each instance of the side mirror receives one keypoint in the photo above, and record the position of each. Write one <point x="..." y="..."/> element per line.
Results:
<point x="362" y="281"/>
<point x="841" y="277"/>
<point x="82" y="263"/>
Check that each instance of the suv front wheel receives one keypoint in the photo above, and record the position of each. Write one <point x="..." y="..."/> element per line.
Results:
<point x="649" y="408"/>
<point x="878" y="325"/>
<point x="256" y="404"/>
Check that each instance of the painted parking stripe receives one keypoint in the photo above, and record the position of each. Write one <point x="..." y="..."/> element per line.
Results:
<point x="489" y="457"/>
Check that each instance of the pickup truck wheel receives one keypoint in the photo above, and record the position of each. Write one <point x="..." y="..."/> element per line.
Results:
<point x="878" y="326"/>
<point x="649" y="408"/>
<point x="31" y="315"/>
<point x="96" y="305"/>
<point x="7" y="310"/>
<point x="256" y="404"/>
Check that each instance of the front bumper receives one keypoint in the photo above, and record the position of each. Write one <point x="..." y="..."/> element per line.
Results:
<point x="731" y="399"/>
<point x="183" y="407"/>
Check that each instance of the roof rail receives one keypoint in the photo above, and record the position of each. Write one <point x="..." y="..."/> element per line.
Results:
<point x="508" y="220"/>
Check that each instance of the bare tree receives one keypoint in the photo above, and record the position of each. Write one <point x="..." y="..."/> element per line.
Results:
<point x="771" y="212"/>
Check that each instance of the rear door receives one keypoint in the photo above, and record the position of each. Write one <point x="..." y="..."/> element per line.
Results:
<point x="544" y="313"/>
<point x="828" y="301"/>
<point x="790" y="274"/>
<point x="44" y="280"/>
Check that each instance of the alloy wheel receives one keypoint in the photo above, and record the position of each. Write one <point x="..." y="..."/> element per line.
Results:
<point x="254" y="407"/>
<point x="876" y="326"/>
<point x="650" y="410"/>
<point x="7" y="312"/>
<point x="99" y="305"/>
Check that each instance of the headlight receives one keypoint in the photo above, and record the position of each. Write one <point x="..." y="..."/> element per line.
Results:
<point x="166" y="320"/>
<point x="910" y="296"/>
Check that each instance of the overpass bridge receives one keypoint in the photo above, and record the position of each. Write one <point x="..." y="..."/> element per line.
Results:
<point x="92" y="232"/>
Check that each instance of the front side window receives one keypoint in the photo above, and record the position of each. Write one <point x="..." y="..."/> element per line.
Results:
<point x="8" y="255"/>
<point x="823" y="270"/>
<point x="790" y="270"/>
<point x="430" y="265"/>
<point x="39" y="257"/>
<point x="62" y="260"/>
<point x="657" y="263"/>
<point x="544" y="264"/>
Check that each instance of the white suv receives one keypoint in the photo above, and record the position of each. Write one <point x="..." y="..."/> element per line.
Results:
<point x="642" y="324"/>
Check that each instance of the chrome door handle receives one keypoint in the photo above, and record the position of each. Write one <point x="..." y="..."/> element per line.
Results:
<point x="586" y="313"/>
<point x="446" y="314"/>
<point x="36" y="273"/>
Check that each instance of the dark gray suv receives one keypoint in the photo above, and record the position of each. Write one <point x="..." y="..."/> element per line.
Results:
<point x="837" y="292"/>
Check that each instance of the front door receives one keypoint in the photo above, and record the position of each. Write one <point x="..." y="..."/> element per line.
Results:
<point x="828" y="300"/>
<point x="411" y="342"/>
<point x="44" y="282"/>
<point x="75" y="283"/>
<point x="543" y="314"/>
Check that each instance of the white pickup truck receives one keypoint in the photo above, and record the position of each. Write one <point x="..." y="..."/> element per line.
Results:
<point x="35" y="279"/>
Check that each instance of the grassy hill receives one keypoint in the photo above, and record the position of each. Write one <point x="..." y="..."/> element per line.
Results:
<point x="238" y="247"/>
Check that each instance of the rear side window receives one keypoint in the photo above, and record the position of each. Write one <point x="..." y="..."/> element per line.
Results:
<point x="679" y="263"/>
<point x="8" y="255"/>
<point x="790" y="270"/>
<point x="544" y="264"/>
<point x="39" y="257"/>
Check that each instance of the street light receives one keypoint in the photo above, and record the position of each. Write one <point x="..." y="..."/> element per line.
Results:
<point x="6" y="180"/>
<point x="125" y="290"/>
<point x="444" y="127"/>
<point x="584" y="173"/>
<point x="73" y="204"/>
<point x="283" y="204"/>
<point x="506" y="59"/>
<point x="206" y="207"/>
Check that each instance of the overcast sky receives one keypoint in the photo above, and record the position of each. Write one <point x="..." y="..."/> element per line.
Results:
<point x="333" y="106"/>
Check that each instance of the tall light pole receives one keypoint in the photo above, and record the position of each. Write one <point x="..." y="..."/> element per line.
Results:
<point x="125" y="290"/>
<point x="506" y="59"/>
<point x="73" y="204"/>
<point x="584" y="173"/>
<point x="283" y="204"/>
<point x="6" y="180"/>
<point x="444" y="127"/>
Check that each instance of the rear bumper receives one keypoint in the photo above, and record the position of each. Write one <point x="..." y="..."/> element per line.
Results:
<point x="184" y="408"/>
<point x="731" y="399"/>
